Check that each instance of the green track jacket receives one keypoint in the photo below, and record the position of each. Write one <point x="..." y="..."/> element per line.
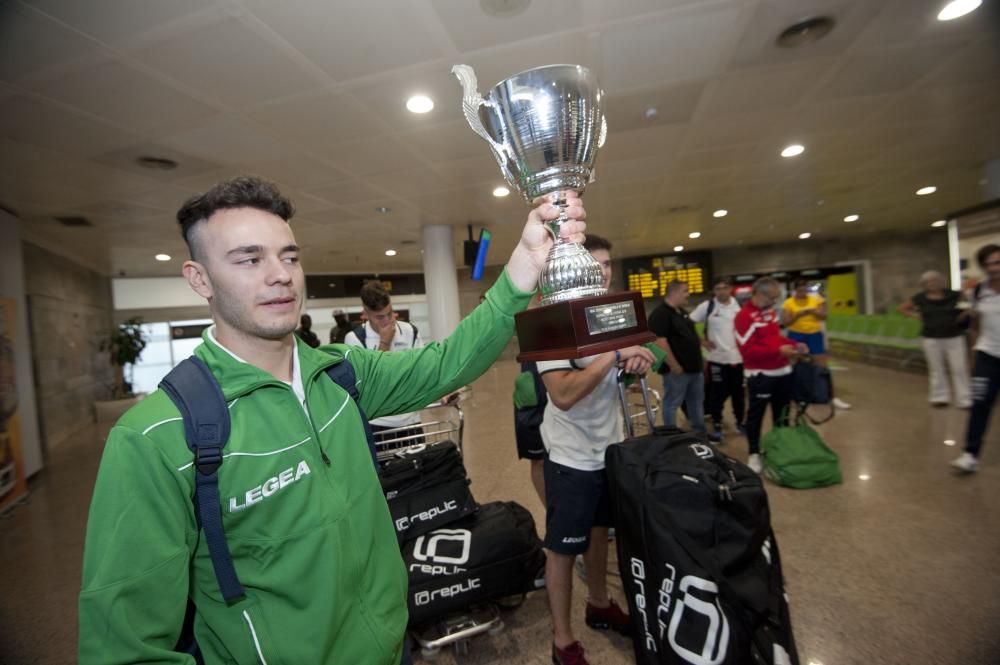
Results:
<point x="312" y="542"/>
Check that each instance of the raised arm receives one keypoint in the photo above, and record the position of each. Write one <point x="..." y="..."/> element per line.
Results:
<point x="400" y="382"/>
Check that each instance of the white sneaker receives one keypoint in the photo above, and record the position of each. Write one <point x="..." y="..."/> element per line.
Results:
<point x="840" y="404"/>
<point x="967" y="463"/>
<point x="755" y="463"/>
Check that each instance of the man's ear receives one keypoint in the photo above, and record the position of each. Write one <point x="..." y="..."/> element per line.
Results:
<point x="198" y="279"/>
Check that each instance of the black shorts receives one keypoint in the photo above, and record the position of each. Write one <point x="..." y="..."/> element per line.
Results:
<point x="575" y="502"/>
<point x="529" y="442"/>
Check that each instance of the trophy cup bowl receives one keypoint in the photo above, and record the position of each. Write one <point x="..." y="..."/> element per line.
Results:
<point x="544" y="127"/>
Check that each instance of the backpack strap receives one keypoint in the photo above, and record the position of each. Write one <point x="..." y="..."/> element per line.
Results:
<point x="360" y="333"/>
<point x="343" y="375"/>
<point x="195" y="392"/>
<point x="415" y="332"/>
<point x="708" y="313"/>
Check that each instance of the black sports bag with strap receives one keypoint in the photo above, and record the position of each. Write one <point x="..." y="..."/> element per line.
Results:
<point x="488" y="555"/>
<point x="426" y="488"/>
<point x="698" y="560"/>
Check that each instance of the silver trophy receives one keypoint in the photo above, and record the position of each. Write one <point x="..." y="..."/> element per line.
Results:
<point x="544" y="127"/>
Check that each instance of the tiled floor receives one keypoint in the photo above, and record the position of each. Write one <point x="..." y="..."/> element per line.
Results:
<point x="903" y="567"/>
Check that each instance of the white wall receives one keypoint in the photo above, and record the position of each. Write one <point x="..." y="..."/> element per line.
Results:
<point x="153" y="293"/>
<point x="12" y="286"/>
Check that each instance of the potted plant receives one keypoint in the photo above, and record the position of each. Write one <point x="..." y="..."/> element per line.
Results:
<point x="124" y="345"/>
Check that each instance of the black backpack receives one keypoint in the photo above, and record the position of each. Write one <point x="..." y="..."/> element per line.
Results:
<point x="196" y="393"/>
<point x="812" y="384"/>
<point x="698" y="559"/>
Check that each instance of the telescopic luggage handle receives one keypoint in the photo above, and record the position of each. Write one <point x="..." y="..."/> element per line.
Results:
<point x="647" y="406"/>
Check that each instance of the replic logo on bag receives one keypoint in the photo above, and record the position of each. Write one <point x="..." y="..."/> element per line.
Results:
<point x="702" y="451"/>
<point x="403" y="523"/>
<point x="443" y="552"/>
<point x="699" y="596"/>
<point x="426" y="597"/>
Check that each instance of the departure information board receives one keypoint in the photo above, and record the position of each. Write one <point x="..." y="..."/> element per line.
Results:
<point x="650" y="274"/>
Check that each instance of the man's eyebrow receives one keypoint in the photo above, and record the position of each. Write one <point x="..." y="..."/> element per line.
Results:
<point x="290" y="248"/>
<point x="245" y="249"/>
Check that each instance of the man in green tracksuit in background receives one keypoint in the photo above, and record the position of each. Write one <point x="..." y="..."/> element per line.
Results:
<point x="304" y="516"/>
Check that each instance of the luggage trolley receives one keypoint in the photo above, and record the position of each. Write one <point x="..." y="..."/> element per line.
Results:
<point x="446" y="423"/>
<point x="643" y="410"/>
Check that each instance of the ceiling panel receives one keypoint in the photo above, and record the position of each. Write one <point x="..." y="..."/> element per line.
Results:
<point x="348" y="40"/>
<point x="202" y="58"/>
<point x="30" y="42"/>
<point x="114" y="20"/>
<point x="470" y="28"/>
<point x="669" y="50"/>
<point x="126" y="96"/>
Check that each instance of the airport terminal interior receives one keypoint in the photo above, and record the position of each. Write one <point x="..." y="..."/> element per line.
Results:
<point x="849" y="149"/>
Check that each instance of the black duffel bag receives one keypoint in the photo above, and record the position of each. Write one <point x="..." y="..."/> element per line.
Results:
<point x="491" y="554"/>
<point x="698" y="559"/>
<point x="426" y="488"/>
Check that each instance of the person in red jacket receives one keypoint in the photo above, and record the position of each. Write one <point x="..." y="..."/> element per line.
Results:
<point x="767" y="358"/>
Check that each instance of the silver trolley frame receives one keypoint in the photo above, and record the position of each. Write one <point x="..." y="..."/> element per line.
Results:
<point x="447" y="423"/>
<point x="650" y="405"/>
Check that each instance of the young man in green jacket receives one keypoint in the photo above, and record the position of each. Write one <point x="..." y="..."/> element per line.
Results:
<point x="305" y="520"/>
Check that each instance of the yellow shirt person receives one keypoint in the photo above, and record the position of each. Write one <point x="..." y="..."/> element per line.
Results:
<point x="807" y="323"/>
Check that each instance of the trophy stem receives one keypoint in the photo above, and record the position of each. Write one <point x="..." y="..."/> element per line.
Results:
<point x="555" y="225"/>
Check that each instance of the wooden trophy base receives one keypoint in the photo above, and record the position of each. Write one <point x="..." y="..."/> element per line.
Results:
<point x="582" y="327"/>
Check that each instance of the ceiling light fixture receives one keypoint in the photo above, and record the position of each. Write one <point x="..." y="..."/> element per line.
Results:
<point x="694" y="235"/>
<point x="805" y="236"/>
<point x="162" y="257"/>
<point x="652" y="112"/>
<point x="501" y="191"/>
<point x="958" y="8"/>
<point x="852" y="218"/>
<point x="924" y="191"/>
<point x="793" y="150"/>
<point x="382" y="210"/>
<point x="390" y="252"/>
<point x="938" y="224"/>
<point x="419" y="104"/>
<point x="678" y="248"/>
<point x="863" y="476"/>
<point x="720" y="213"/>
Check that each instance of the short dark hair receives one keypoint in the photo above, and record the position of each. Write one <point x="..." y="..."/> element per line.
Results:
<point x="675" y="285"/>
<point x="374" y="296"/>
<point x="594" y="241"/>
<point x="801" y="282"/>
<point x="722" y="280"/>
<point x="243" y="191"/>
<point x="985" y="252"/>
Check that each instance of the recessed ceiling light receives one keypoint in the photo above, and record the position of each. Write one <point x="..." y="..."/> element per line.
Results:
<point x="156" y="163"/>
<point x="419" y="104"/>
<point x="501" y="191"/>
<point x="694" y="235"/>
<point x="805" y="236"/>
<point x="390" y="252"/>
<point x="651" y="112"/>
<point x="805" y="32"/>
<point x="924" y="191"/>
<point x="938" y="224"/>
<point x="793" y="150"/>
<point x="162" y="257"/>
<point x="720" y="213"/>
<point x="852" y="218"/>
<point x="950" y="442"/>
<point x="678" y="248"/>
<point x="383" y="210"/>
<point x="958" y="8"/>
<point x="864" y="476"/>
